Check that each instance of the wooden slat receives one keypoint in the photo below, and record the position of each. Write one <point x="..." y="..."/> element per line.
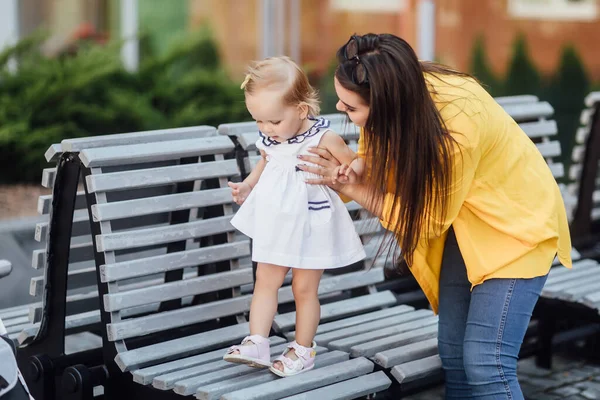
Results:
<point x="346" y="338"/>
<point x="582" y="134"/>
<point x="404" y="354"/>
<point x="145" y="376"/>
<point x="521" y="99"/>
<point x="369" y="349"/>
<point x="147" y="152"/>
<point x="368" y="226"/>
<point x="5" y="268"/>
<point x="186" y="387"/>
<point x="48" y="177"/>
<point x="380" y="324"/>
<point x="214" y="391"/>
<point x="160" y="204"/>
<point x="303" y="382"/>
<point x="578" y="153"/>
<point x="592" y="98"/>
<point x="81" y="226"/>
<point x="77" y="322"/>
<point x="559" y="274"/>
<point x="586" y="116"/>
<point x="549" y="149"/>
<point x="76" y="280"/>
<point x="76" y="304"/>
<point x="523" y="112"/>
<point x="557" y="169"/>
<point x="45" y="203"/>
<point x="78" y="253"/>
<point x="193" y="377"/>
<point x="351" y="389"/>
<point x="136" y="138"/>
<point x="418" y="369"/>
<point x="53" y="152"/>
<point x="539" y="129"/>
<point x="359" y="320"/>
<point x="14" y="312"/>
<point x="285" y="322"/>
<point x="175" y="319"/>
<point x="161" y="176"/>
<point x="575" y="172"/>
<point x="168" y="262"/>
<point x="237" y="128"/>
<point x="162" y="234"/>
<point x="182" y="347"/>
<point x="178" y="289"/>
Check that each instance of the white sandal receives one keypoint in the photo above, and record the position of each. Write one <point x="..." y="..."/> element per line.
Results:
<point x="304" y="362"/>
<point x="255" y="351"/>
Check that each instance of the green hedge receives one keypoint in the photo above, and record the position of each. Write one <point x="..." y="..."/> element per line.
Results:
<point x="89" y="93"/>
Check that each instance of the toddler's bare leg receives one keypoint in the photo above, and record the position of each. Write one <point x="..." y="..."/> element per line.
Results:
<point x="305" y="285"/>
<point x="269" y="279"/>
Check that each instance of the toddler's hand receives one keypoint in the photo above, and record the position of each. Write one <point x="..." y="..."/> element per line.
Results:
<point x="239" y="191"/>
<point x="344" y="174"/>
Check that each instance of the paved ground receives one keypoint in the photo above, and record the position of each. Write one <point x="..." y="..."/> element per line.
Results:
<point x="571" y="378"/>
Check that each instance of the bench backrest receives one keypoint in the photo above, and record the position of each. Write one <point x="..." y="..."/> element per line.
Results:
<point x="82" y="313"/>
<point x="194" y="274"/>
<point x="585" y="169"/>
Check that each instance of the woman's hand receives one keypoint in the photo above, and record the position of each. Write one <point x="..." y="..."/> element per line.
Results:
<point x="325" y="166"/>
<point x="344" y="174"/>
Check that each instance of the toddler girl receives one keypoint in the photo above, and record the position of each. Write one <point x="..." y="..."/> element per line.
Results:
<point x="292" y="224"/>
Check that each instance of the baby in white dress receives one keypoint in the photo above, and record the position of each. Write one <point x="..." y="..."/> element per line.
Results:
<point x="292" y="224"/>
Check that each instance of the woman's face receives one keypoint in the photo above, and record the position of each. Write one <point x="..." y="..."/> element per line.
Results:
<point x="352" y="104"/>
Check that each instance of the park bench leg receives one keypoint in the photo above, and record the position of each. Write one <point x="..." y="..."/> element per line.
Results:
<point x="547" y="328"/>
<point x="78" y="381"/>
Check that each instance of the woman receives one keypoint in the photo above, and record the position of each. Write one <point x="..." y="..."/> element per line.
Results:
<point x="469" y="198"/>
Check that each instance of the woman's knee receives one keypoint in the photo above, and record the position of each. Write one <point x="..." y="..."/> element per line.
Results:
<point x="484" y="364"/>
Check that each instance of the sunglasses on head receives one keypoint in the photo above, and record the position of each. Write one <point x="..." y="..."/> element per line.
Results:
<point x="359" y="75"/>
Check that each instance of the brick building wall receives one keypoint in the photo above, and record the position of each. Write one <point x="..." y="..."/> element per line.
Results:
<point x="460" y="22"/>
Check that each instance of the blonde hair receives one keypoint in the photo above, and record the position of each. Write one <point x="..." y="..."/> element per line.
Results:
<point x="282" y="73"/>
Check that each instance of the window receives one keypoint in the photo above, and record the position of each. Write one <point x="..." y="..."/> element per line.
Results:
<point x="567" y="10"/>
<point x="375" y="6"/>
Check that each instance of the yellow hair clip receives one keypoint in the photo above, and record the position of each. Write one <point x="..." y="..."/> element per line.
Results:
<point x="246" y="80"/>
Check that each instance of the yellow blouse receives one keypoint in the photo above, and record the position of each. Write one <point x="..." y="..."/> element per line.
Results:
<point x="505" y="206"/>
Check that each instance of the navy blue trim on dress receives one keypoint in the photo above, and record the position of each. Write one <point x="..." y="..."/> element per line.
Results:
<point x="321" y="123"/>
<point x="319" y="208"/>
<point x="267" y="141"/>
<point x="318" y="202"/>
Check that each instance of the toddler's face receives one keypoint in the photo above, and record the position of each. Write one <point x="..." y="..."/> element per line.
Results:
<point x="275" y="119"/>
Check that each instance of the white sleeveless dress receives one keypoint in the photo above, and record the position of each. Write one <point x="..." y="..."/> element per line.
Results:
<point x="292" y="223"/>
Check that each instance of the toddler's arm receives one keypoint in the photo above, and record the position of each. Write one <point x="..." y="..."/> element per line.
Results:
<point x="241" y="190"/>
<point x="352" y="166"/>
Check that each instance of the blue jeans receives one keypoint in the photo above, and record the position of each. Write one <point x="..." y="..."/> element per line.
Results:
<point x="481" y="332"/>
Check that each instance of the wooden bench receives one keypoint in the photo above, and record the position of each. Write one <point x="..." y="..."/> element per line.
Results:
<point x="570" y="305"/>
<point x="585" y="176"/>
<point x="163" y="333"/>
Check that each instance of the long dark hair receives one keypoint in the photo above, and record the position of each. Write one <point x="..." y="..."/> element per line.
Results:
<point x="406" y="139"/>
